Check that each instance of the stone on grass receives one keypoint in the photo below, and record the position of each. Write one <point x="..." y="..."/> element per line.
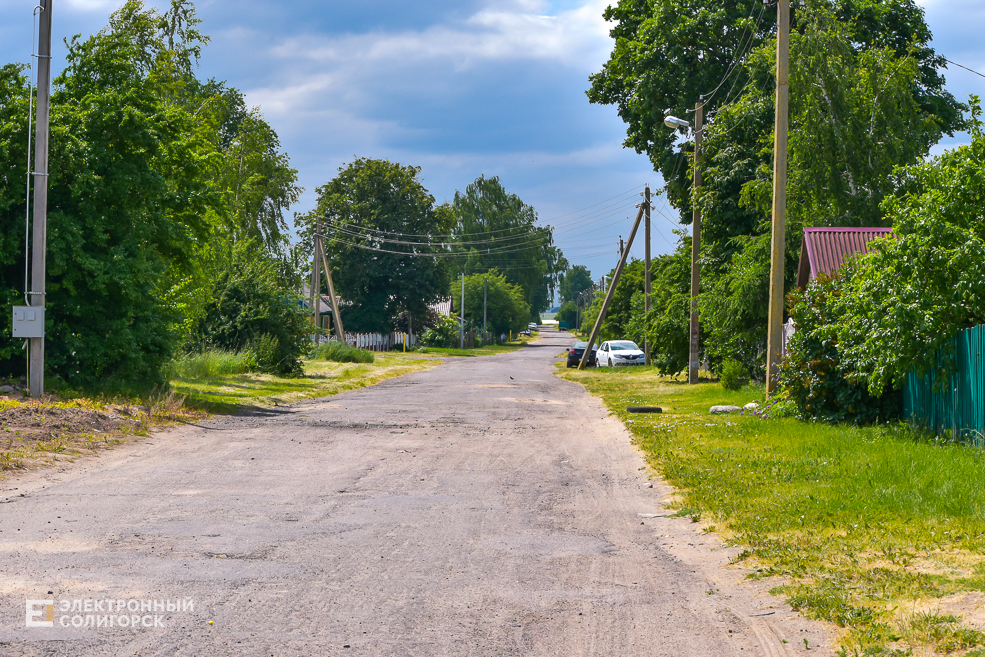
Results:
<point x="751" y="406"/>
<point x="716" y="410"/>
<point x="6" y="389"/>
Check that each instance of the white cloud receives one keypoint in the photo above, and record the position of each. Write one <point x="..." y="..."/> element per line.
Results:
<point x="578" y="38"/>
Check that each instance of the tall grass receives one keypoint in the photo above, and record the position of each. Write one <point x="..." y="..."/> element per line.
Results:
<point x="212" y="363"/>
<point x="341" y="352"/>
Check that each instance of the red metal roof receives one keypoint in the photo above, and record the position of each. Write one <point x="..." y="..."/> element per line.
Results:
<point x="825" y="250"/>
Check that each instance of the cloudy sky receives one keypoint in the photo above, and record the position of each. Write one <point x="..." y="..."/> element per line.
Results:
<point x="459" y="88"/>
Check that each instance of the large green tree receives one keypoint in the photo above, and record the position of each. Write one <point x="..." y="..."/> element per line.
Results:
<point x="576" y="280"/>
<point x="506" y="306"/>
<point x="139" y="218"/>
<point x="495" y="229"/>
<point x="903" y="304"/>
<point x="379" y="221"/>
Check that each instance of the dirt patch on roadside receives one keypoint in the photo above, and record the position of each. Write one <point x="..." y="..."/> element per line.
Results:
<point x="36" y="433"/>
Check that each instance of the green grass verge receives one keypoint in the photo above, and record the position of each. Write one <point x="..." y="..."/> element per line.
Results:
<point x="229" y="394"/>
<point x="875" y="529"/>
<point x="487" y="350"/>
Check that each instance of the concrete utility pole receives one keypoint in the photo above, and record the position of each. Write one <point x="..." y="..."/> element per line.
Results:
<point x="778" y="251"/>
<point x="611" y="290"/>
<point x="694" y="358"/>
<point x="40" y="223"/>
<point x="646" y="267"/>
<point x="485" y="299"/>
<point x="461" y="325"/>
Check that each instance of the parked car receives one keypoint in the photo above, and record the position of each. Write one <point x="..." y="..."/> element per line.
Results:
<point x="577" y="351"/>
<point x="532" y="326"/>
<point x="619" y="352"/>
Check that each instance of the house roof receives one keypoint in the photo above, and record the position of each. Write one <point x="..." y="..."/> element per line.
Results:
<point x="825" y="250"/>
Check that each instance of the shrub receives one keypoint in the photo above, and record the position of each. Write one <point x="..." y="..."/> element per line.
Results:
<point x="212" y="363"/>
<point x="341" y="352"/>
<point x="733" y="374"/>
<point x="812" y="375"/>
<point x="442" y="334"/>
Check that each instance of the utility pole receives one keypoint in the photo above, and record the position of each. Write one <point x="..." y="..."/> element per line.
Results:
<point x="485" y="299"/>
<point x="316" y="283"/>
<point x="461" y="325"/>
<point x="40" y="173"/>
<point x="611" y="290"/>
<point x="622" y="246"/>
<point x="646" y="267"/>
<point x="337" y="316"/>
<point x="778" y="252"/>
<point x="694" y="359"/>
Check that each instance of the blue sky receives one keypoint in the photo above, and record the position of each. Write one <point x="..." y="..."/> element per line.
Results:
<point x="458" y="88"/>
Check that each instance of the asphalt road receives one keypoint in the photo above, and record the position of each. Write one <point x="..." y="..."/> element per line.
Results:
<point x="484" y="507"/>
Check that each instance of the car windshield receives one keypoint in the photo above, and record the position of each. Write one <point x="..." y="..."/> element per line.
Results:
<point x="623" y="345"/>
<point x="580" y="345"/>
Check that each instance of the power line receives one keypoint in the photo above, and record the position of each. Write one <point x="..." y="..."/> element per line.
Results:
<point x="965" y="68"/>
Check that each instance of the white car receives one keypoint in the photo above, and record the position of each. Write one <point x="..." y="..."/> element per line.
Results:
<point x="619" y="352"/>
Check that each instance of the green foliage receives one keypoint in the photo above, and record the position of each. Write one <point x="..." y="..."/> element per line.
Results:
<point x="865" y="97"/>
<point x="212" y="363"/>
<point x="568" y="314"/>
<point x="251" y="310"/>
<point x="666" y="327"/>
<point x="366" y="198"/>
<point x="906" y="301"/>
<point x="507" y="308"/>
<point x="497" y="230"/>
<point x="812" y="374"/>
<point x="733" y="375"/>
<point x="576" y="280"/>
<point x="139" y="219"/>
<point x="341" y="352"/>
<point x="443" y="334"/>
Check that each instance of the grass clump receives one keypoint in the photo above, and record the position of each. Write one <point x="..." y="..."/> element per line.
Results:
<point x="860" y="523"/>
<point x="211" y="363"/>
<point x="341" y="352"/>
<point x="733" y="375"/>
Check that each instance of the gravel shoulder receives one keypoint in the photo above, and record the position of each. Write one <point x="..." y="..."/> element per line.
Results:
<point x="483" y="507"/>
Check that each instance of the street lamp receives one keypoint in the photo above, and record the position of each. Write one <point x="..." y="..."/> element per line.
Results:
<point x="674" y="123"/>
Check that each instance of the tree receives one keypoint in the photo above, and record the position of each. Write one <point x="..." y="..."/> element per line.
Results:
<point x="378" y="219"/>
<point x="576" y="280"/>
<point x="497" y="230"/>
<point x="138" y="225"/>
<point x="506" y="307"/>
<point x="667" y="325"/>
<point x="250" y="309"/>
<point x="568" y="314"/>
<point x="669" y="54"/>
<point x="904" y="303"/>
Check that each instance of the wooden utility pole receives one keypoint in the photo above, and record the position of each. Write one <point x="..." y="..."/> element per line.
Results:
<point x="40" y="175"/>
<point x="778" y="251"/>
<point x="646" y="267"/>
<point x="622" y="246"/>
<point x="485" y="299"/>
<point x="316" y="283"/>
<point x="611" y="290"/>
<point x="333" y="302"/>
<point x="694" y="354"/>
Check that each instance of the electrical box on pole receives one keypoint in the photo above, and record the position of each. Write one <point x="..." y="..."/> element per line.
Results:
<point x="28" y="322"/>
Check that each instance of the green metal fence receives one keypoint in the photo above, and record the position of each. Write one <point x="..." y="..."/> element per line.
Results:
<point x="957" y="408"/>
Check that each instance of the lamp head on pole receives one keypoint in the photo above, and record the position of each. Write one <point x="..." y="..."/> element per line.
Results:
<point x="673" y="123"/>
